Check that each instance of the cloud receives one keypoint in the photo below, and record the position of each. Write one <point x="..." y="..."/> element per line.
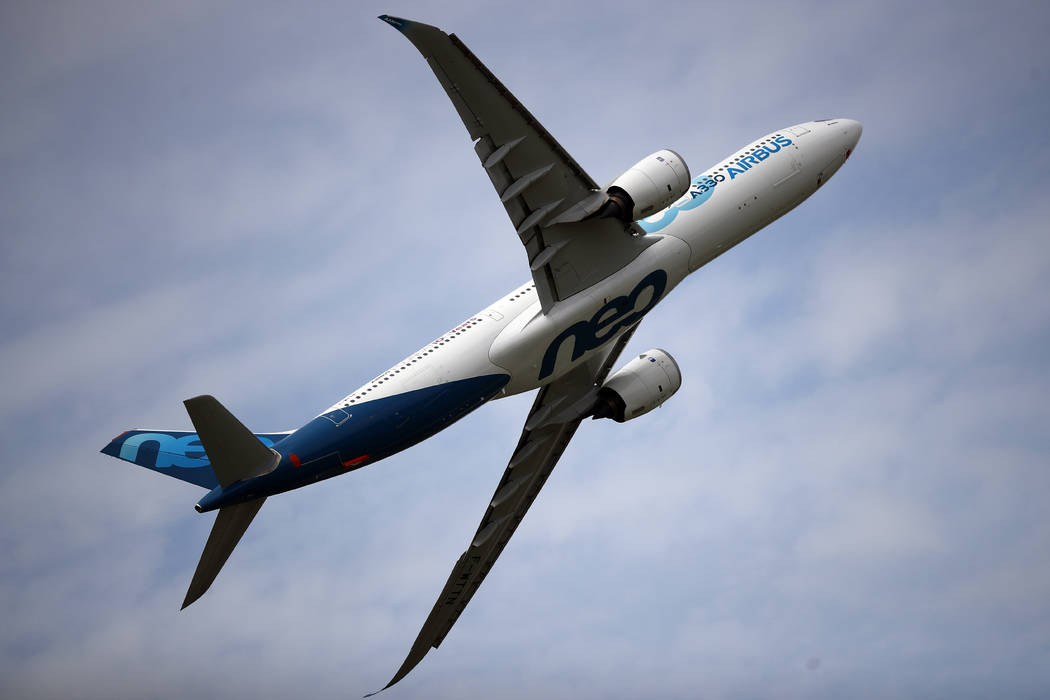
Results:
<point x="273" y="207"/>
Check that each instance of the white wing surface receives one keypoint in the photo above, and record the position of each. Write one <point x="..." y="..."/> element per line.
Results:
<point x="547" y="195"/>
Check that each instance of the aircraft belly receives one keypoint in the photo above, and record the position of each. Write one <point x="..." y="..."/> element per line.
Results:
<point x="343" y="439"/>
<point x="538" y="348"/>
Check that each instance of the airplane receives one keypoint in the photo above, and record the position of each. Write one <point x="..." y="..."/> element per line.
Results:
<point x="600" y="259"/>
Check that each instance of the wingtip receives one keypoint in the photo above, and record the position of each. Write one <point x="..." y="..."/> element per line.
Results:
<point x="191" y="598"/>
<point x="398" y="23"/>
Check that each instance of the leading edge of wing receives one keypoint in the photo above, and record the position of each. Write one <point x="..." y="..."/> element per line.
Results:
<point x="548" y="197"/>
<point x="430" y="40"/>
<point x="555" y="415"/>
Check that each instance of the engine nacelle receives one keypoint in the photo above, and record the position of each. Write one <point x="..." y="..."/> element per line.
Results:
<point x="638" y="387"/>
<point x="652" y="184"/>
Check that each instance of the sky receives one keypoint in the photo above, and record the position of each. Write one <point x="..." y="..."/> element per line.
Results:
<point x="273" y="202"/>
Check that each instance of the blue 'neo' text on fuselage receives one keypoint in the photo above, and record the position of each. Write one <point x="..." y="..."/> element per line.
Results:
<point x="617" y="314"/>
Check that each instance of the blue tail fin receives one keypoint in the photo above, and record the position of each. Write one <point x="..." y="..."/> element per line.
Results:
<point x="172" y="452"/>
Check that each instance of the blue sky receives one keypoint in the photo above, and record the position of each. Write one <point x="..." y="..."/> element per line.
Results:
<point x="847" y="498"/>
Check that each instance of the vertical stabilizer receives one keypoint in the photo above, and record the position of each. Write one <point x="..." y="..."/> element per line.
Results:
<point x="230" y="524"/>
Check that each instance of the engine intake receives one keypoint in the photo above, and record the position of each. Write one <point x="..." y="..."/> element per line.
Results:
<point x="650" y="185"/>
<point x="638" y="387"/>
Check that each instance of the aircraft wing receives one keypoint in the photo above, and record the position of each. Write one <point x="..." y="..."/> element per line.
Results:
<point x="556" y="414"/>
<point x="547" y="195"/>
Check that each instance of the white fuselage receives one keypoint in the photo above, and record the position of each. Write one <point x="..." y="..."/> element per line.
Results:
<point x="511" y="336"/>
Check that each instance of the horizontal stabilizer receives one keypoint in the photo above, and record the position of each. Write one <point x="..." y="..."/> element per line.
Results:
<point x="235" y="453"/>
<point x="230" y="524"/>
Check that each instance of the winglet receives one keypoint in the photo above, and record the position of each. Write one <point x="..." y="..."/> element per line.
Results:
<point x="427" y="38"/>
<point x="400" y="25"/>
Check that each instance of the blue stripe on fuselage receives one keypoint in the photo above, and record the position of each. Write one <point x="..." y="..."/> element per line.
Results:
<point x="376" y="428"/>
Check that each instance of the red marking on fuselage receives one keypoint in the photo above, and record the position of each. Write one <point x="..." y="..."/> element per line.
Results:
<point x="355" y="461"/>
<point x="294" y="459"/>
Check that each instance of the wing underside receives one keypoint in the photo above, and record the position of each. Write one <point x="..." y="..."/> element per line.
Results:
<point x="549" y="198"/>
<point x="555" y="415"/>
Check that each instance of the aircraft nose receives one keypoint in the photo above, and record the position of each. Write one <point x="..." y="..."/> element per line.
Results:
<point x="853" y="130"/>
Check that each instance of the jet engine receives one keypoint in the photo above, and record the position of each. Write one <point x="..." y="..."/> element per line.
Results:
<point x="638" y="387"/>
<point x="651" y="184"/>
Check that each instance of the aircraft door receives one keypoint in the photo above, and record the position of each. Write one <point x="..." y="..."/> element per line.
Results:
<point x="794" y="165"/>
